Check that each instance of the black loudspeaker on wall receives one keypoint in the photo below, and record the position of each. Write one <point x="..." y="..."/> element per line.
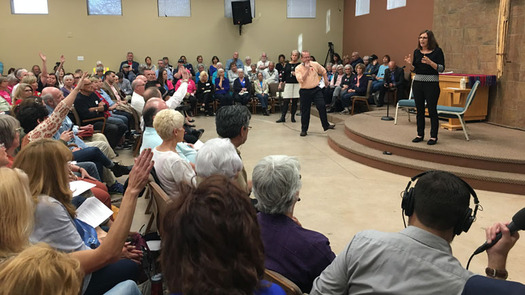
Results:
<point x="241" y="12"/>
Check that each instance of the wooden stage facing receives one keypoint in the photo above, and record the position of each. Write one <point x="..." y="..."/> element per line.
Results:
<point x="493" y="159"/>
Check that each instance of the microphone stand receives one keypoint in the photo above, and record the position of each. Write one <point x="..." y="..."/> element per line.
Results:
<point x="388" y="117"/>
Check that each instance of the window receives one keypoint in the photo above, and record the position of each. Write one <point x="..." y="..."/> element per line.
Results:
<point x="228" y="7"/>
<point x="29" y="7"/>
<point x="104" y="7"/>
<point x="393" y="4"/>
<point x="181" y="8"/>
<point x="362" y="7"/>
<point x="300" y="8"/>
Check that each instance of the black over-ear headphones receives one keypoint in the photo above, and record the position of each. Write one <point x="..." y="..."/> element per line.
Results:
<point x="464" y="222"/>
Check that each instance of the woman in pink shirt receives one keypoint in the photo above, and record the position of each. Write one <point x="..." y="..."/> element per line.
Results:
<point x="5" y="97"/>
<point x="190" y="94"/>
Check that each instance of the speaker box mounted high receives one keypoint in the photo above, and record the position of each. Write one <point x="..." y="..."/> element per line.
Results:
<point x="241" y="12"/>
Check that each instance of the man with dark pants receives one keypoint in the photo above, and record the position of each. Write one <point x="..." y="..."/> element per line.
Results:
<point x="307" y="74"/>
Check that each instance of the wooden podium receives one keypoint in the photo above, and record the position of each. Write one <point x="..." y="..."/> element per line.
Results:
<point x="452" y="95"/>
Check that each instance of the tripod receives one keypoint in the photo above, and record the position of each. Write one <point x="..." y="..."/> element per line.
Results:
<point x="330" y="53"/>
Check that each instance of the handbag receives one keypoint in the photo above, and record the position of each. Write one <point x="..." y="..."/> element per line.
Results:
<point x="87" y="233"/>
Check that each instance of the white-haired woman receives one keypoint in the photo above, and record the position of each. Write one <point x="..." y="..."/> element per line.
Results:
<point x="241" y="88"/>
<point x="297" y="253"/>
<point x="217" y="156"/>
<point x="171" y="168"/>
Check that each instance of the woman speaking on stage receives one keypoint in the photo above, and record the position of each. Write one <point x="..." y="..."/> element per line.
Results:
<point x="427" y="63"/>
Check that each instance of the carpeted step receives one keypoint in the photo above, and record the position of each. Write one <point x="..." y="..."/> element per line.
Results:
<point x="479" y="178"/>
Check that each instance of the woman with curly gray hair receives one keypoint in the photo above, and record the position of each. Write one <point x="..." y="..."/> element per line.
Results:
<point x="297" y="253"/>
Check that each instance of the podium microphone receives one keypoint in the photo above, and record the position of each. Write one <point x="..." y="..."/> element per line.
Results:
<point x="518" y="223"/>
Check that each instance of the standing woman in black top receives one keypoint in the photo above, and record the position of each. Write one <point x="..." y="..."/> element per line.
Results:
<point x="428" y="62"/>
<point x="288" y="83"/>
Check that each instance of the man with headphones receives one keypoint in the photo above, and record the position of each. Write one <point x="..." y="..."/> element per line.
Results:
<point x="418" y="259"/>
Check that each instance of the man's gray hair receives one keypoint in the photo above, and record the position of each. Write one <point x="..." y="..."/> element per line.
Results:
<point x="276" y="181"/>
<point x="46" y="98"/>
<point x="218" y="156"/>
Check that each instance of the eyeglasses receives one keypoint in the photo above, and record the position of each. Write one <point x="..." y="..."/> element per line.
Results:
<point x="76" y="77"/>
<point x="423" y="37"/>
<point x="18" y="129"/>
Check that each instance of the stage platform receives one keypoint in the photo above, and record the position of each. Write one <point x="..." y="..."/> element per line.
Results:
<point x="493" y="159"/>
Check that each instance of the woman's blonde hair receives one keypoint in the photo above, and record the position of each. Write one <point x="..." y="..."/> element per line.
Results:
<point x="166" y="121"/>
<point x="45" y="162"/>
<point x="16" y="211"/>
<point x="29" y="79"/>
<point x="40" y="269"/>
<point x="202" y="74"/>
<point x="19" y="90"/>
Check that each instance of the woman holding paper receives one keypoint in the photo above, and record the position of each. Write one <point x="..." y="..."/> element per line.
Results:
<point x="45" y="162"/>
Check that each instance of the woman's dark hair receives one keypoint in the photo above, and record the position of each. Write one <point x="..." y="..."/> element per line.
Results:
<point x="29" y="112"/>
<point x="338" y="61"/>
<point x="432" y="43"/>
<point x="215" y="57"/>
<point x="160" y="78"/>
<point x="56" y="79"/>
<point x="282" y="55"/>
<point x="214" y="244"/>
<point x="387" y="56"/>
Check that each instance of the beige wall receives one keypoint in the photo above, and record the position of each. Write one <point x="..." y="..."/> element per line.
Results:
<point x="70" y="31"/>
<point x="393" y="32"/>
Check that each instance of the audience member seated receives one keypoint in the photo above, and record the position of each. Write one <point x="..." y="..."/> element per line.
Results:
<point x="31" y="80"/>
<point x="358" y="86"/>
<point x="215" y="224"/>
<point x="123" y="84"/>
<point x="128" y="73"/>
<point x="336" y="84"/>
<point x="222" y="89"/>
<point x="252" y="72"/>
<point x="232" y="74"/>
<point x="204" y="94"/>
<point x="355" y="60"/>
<point x="110" y="86"/>
<point x="216" y="73"/>
<point x="241" y="88"/>
<point x="200" y="60"/>
<point x="282" y="62"/>
<point x="137" y="98"/>
<point x="45" y="163"/>
<point x="165" y="82"/>
<point x="336" y="59"/>
<point x="262" y="64"/>
<point x="394" y="80"/>
<point x="200" y="68"/>
<point x="10" y="132"/>
<point x="217" y="156"/>
<point x="297" y="253"/>
<point x="261" y="92"/>
<point x="22" y="92"/>
<point x="5" y="97"/>
<point x="233" y="122"/>
<point x="186" y="64"/>
<point x="68" y="85"/>
<point x="150" y="138"/>
<point x="378" y="79"/>
<point x="372" y="67"/>
<point x="189" y="97"/>
<point x="89" y="106"/>
<point x="248" y="64"/>
<point x="234" y="60"/>
<point x="39" y="269"/>
<point x="213" y="67"/>
<point x="162" y="65"/>
<point x="417" y="260"/>
<point x="171" y="168"/>
<point x="271" y="74"/>
<point x="116" y="115"/>
<point x="133" y="64"/>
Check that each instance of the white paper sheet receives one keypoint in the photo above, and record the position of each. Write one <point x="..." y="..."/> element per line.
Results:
<point x="93" y="212"/>
<point x="79" y="186"/>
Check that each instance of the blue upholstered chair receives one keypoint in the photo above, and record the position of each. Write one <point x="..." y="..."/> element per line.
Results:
<point x="406" y="104"/>
<point x="458" y="112"/>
